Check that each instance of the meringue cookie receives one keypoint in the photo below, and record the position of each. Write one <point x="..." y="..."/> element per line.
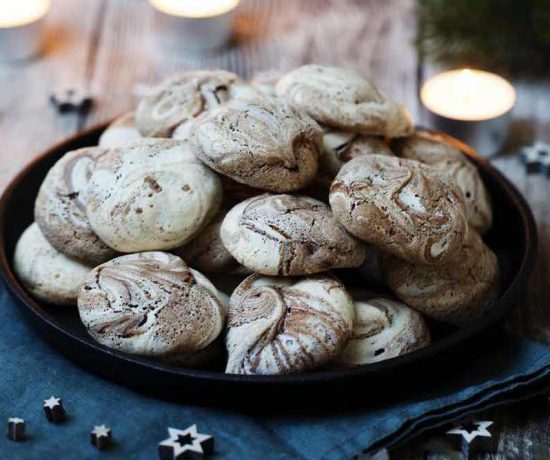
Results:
<point x="288" y="235"/>
<point x="339" y="147"/>
<point x="287" y="325"/>
<point x="151" y="304"/>
<point x="401" y="206"/>
<point x="60" y="207"/>
<point x="121" y="131"/>
<point x="343" y="99"/>
<point x="207" y="253"/>
<point x="432" y="150"/>
<point x="266" y="81"/>
<point x="454" y="293"/>
<point x="151" y="194"/>
<point x="45" y="272"/>
<point x="263" y="143"/>
<point x="383" y="329"/>
<point x="182" y="97"/>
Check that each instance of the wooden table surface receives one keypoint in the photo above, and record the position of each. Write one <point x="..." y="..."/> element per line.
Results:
<point x="109" y="46"/>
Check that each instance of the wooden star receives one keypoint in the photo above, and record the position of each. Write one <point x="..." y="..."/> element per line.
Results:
<point x="474" y="437"/>
<point x="536" y="158"/>
<point x="185" y="444"/>
<point x="54" y="410"/>
<point x="100" y="437"/>
<point x="72" y="100"/>
<point x="16" y="429"/>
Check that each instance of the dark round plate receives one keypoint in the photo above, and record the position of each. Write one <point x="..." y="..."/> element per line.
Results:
<point x="513" y="238"/>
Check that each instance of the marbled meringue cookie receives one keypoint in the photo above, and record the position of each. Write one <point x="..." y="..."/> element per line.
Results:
<point x="60" y="207"/>
<point x="151" y="304"/>
<point x="45" y="272"/>
<point x="181" y="98"/>
<point x="383" y="329"/>
<point x="263" y="143"/>
<point x="401" y="206"/>
<point x="121" y="131"/>
<point x="339" y="147"/>
<point x="432" y="150"/>
<point x="207" y="253"/>
<point x="151" y="194"/>
<point x="463" y="289"/>
<point x="288" y="235"/>
<point x="287" y="325"/>
<point x="343" y="99"/>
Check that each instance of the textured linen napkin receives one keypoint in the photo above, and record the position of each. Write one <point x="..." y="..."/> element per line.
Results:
<point x="32" y="371"/>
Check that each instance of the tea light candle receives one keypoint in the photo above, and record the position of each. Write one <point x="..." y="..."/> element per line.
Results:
<point x="193" y="24"/>
<point x="21" y="28"/>
<point x="471" y="105"/>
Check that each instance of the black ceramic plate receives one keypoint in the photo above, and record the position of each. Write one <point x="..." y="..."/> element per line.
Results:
<point x="513" y="238"/>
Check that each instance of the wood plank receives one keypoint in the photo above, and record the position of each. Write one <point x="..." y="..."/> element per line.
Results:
<point x="28" y="123"/>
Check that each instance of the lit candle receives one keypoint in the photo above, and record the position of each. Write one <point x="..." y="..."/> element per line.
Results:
<point x="193" y="24"/>
<point x="472" y="105"/>
<point x="21" y="28"/>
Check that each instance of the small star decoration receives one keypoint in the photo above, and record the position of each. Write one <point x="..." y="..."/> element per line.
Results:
<point x="53" y="408"/>
<point x="473" y="438"/>
<point x="536" y="158"/>
<point x="16" y="429"/>
<point x="186" y="443"/>
<point x="469" y="433"/>
<point x="100" y="437"/>
<point x="72" y="100"/>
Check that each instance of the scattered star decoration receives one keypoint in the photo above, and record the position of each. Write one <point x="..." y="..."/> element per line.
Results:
<point x="183" y="444"/>
<point x="53" y="408"/>
<point x="536" y="158"/>
<point x="469" y="435"/>
<point x="100" y="437"/>
<point x="72" y="100"/>
<point x="16" y="429"/>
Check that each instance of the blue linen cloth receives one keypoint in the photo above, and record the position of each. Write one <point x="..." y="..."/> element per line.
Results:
<point x="32" y="371"/>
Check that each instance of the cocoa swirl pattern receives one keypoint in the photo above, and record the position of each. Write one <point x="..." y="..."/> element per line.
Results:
<point x="263" y="143"/>
<point x="454" y="293"/>
<point x="383" y="329"/>
<point x="45" y="272"/>
<point x="288" y="235"/>
<point x="151" y="194"/>
<point x="60" y="207"/>
<point x="402" y="206"/>
<point x="343" y="99"/>
<point x="185" y="96"/>
<point x="339" y="147"/>
<point x="432" y="150"/>
<point x="282" y="325"/>
<point x="121" y="131"/>
<point x="151" y="304"/>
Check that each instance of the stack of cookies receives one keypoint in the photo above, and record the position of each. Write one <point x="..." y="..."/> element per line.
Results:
<point x="277" y="183"/>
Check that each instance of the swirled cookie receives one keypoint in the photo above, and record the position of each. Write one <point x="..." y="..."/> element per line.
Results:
<point x="343" y="99"/>
<point x="183" y="97"/>
<point x="431" y="149"/>
<point x="151" y="304"/>
<point x="383" y="329"/>
<point x="454" y="293"/>
<point x="339" y="147"/>
<point x="287" y="325"/>
<point x="264" y="143"/>
<point x="207" y="253"/>
<point x="288" y="235"/>
<point x="45" y="272"/>
<point x="401" y="206"/>
<point x="121" y="131"/>
<point x="151" y="194"/>
<point x="60" y="207"/>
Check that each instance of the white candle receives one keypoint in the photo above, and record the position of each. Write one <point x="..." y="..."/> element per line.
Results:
<point x="195" y="8"/>
<point x="193" y="24"/>
<point x="21" y="27"/>
<point x="468" y="95"/>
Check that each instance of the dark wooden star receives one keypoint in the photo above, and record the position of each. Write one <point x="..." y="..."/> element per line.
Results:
<point x="185" y="444"/>
<point x="473" y="437"/>
<point x="72" y="100"/>
<point x="100" y="437"/>
<point x="54" y="410"/>
<point x="536" y="158"/>
<point x="16" y="429"/>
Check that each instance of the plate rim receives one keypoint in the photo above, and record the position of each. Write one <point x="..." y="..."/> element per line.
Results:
<point x="506" y="299"/>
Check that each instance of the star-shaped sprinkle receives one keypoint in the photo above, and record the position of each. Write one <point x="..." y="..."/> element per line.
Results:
<point x="536" y="158"/>
<point x="54" y="410"/>
<point x="16" y="429"/>
<point x="183" y="444"/>
<point x="100" y="437"/>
